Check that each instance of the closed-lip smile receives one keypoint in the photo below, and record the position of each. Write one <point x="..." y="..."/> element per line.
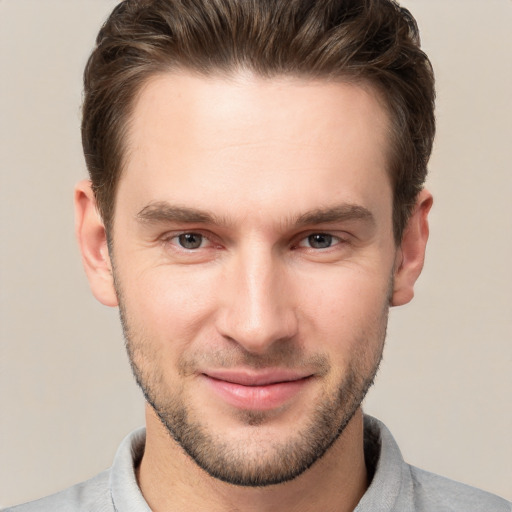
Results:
<point x="256" y="389"/>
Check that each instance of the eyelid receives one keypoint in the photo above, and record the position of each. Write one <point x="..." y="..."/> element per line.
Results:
<point x="338" y="238"/>
<point x="213" y="241"/>
<point x="169" y="236"/>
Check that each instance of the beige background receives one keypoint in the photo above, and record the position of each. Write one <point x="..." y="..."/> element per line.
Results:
<point x="66" y="393"/>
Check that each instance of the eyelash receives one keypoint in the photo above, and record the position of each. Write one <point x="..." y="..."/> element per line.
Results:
<point x="334" y="239"/>
<point x="175" y="236"/>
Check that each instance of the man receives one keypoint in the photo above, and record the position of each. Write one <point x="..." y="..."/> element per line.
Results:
<point x="256" y="206"/>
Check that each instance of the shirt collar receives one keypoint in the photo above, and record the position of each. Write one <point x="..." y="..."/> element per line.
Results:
<point x="391" y="486"/>
<point x="125" y="492"/>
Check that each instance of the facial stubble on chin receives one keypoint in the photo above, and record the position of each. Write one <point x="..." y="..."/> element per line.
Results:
<point x="272" y="462"/>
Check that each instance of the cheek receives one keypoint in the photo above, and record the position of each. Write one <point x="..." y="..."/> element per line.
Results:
<point x="168" y="304"/>
<point x="346" y="308"/>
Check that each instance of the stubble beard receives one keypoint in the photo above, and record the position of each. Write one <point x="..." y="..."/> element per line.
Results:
<point x="270" y="462"/>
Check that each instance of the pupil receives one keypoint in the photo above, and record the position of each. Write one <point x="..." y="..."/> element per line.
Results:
<point x="320" y="241"/>
<point x="190" y="240"/>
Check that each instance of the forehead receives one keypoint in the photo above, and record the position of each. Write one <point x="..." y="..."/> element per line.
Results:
<point x="205" y="107"/>
<point x="257" y="141"/>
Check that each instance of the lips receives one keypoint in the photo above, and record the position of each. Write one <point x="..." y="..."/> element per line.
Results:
<point x="263" y="390"/>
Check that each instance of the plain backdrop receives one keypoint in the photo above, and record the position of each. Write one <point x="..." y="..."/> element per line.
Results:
<point x="67" y="397"/>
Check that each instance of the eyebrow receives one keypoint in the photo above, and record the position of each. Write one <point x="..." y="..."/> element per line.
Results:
<point x="342" y="213"/>
<point x="163" y="212"/>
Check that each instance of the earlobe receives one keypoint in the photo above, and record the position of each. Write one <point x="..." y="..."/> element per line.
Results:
<point x="92" y="240"/>
<point x="411" y="254"/>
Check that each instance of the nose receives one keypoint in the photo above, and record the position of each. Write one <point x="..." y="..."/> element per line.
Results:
<point x="257" y="302"/>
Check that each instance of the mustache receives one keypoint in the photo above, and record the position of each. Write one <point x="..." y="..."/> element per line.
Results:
<point x="282" y="356"/>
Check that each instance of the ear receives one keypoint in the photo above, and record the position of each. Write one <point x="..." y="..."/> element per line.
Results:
<point x="411" y="253"/>
<point x="92" y="239"/>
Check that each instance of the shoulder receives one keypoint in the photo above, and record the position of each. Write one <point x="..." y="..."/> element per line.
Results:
<point x="91" y="495"/>
<point x="398" y="486"/>
<point x="118" y="484"/>
<point x="436" y="493"/>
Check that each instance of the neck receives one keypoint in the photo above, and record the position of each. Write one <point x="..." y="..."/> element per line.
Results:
<point x="170" y="480"/>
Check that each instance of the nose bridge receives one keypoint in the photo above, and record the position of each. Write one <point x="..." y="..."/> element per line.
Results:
<point x="258" y="310"/>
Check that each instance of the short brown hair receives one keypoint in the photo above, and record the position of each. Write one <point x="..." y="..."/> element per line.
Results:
<point x="370" y="41"/>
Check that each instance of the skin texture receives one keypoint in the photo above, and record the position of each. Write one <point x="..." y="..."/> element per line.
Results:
<point x="253" y="261"/>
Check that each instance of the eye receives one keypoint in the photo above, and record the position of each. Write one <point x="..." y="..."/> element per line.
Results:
<point x="319" y="241"/>
<point x="191" y="246"/>
<point x="190" y="240"/>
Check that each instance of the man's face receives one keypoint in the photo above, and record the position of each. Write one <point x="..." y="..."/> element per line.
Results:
<point x="253" y="258"/>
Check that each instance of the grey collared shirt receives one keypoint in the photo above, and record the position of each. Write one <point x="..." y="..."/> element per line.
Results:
<point x="395" y="485"/>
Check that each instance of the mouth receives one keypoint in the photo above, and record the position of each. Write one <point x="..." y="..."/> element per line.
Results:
<point x="264" y="390"/>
